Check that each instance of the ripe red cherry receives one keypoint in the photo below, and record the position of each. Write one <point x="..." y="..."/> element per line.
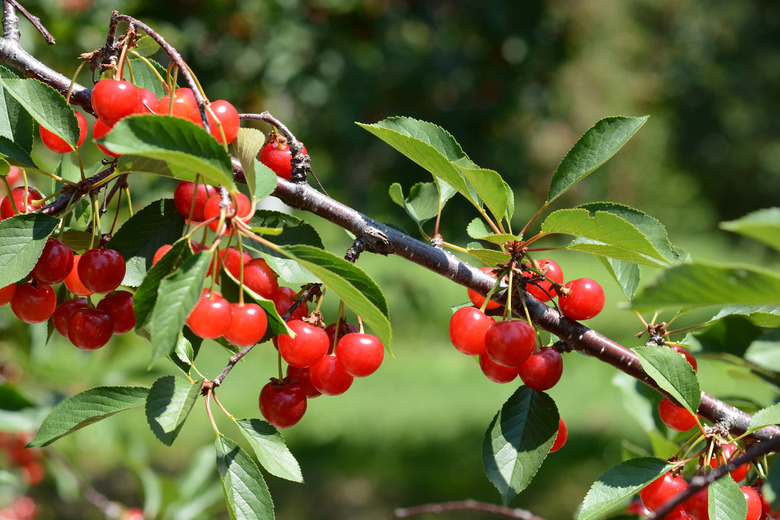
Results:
<point x="561" y="437"/>
<point x="90" y="329"/>
<point x="23" y="201"/>
<point x="306" y="348"/>
<point x="227" y="115"/>
<point x="696" y="506"/>
<point x="754" y="505"/>
<point x="329" y="377"/>
<point x="147" y="101"/>
<point x="336" y="331"/>
<point x="243" y="210"/>
<point x="495" y="372"/>
<point x="584" y="300"/>
<point x="232" y="260"/>
<point x="211" y="317"/>
<point x="542" y="370"/>
<point x="183" y="105"/>
<point x="728" y="452"/>
<point x="63" y="311"/>
<point x="119" y="305"/>
<point x="468" y="327"/>
<point x="99" y="131"/>
<point x="510" y="343"/>
<point x="259" y="278"/>
<point x="113" y="99"/>
<point x="56" y="144"/>
<point x="661" y="490"/>
<point x="302" y="376"/>
<point x="73" y="282"/>
<point x="542" y="290"/>
<point x="282" y="403"/>
<point x="284" y="299"/>
<point x="477" y="299"/>
<point x="54" y="264"/>
<point x="7" y="293"/>
<point x="277" y="156"/>
<point x="360" y="354"/>
<point x="686" y="354"/>
<point x="675" y="417"/>
<point x="101" y="270"/>
<point x="183" y="197"/>
<point x="33" y="303"/>
<point x="161" y="252"/>
<point x="248" y="324"/>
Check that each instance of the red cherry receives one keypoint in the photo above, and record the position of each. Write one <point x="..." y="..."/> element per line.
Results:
<point x="64" y="310"/>
<point x="728" y="452"/>
<point x="495" y="372"/>
<point x="360" y="354"/>
<point x="329" y="377"/>
<point x="101" y="270"/>
<point x="227" y="115"/>
<point x="754" y="506"/>
<point x="147" y="101"/>
<point x="542" y="290"/>
<point x="99" y="130"/>
<point x="661" y="490"/>
<point x="119" y="305"/>
<point x="56" y="144"/>
<point x="303" y="377"/>
<point x="24" y="507"/>
<point x="248" y="324"/>
<point x="282" y="403"/>
<point x="696" y="506"/>
<point x="477" y="299"/>
<point x="54" y="264"/>
<point x="211" y="317"/>
<point x="509" y="343"/>
<point x="113" y="99"/>
<point x="306" y="348"/>
<point x="278" y="157"/>
<point x="542" y="370"/>
<point x="183" y="197"/>
<point x="284" y="299"/>
<point x="675" y="417"/>
<point x="561" y="437"/>
<point x="161" y="252"/>
<point x="336" y="331"/>
<point x="468" y="327"/>
<point x="260" y="278"/>
<point x="183" y="105"/>
<point x="73" y="281"/>
<point x="584" y="300"/>
<point x="243" y="210"/>
<point x="7" y="293"/>
<point x="23" y="201"/>
<point x="232" y="260"/>
<point x="33" y="303"/>
<point x="133" y="513"/>
<point x="90" y="329"/>
<point x="686" y="354"/>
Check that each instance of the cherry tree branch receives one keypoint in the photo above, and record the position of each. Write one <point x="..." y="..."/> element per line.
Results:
<point x="465" y="505"/>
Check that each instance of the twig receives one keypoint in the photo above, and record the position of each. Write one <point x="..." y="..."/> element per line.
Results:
<point x="465" y="505"/>
<point x="34" y="20"/>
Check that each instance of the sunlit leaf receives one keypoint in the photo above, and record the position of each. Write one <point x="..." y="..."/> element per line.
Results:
<point x="762" y="225"/>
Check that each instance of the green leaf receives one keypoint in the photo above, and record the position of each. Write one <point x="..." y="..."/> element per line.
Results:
<point x="625" y="274"/>
<point x="704" y="284"/>
<point x="487" y="256"/>
<point x="270" y="449"/>
<point x="46" y="105"/>
<point x="245" y="490"/>
<point x="15" y="152"/>
<point x="177" y="296"/>
<point x="248" y="143"/>
<point x="16" y="125"/>
<point x="594" y="148"/>
<point x="230" y="290"/>
<point x="358" y="291"/>
<point x="765" y="417"/>
<point x="762" y="225"/>
<point x="765" y="351"/>
<point x="479" y="230"/>
<point x="22" y="238"/>
<point x="518" y="440"/>
<point x="606" y="234"/>
<point x="142" y="235"/>
<point x="168" y="404"/>
<point x="180" y="143"/>
<point x="672" y="373"/>
<point x="145" y="46"/>
<point x="145" y="296"/>
<point x="423" y="202"/>
<point x="85" y="408"/>
<point x="760" y="315"/>
<point x="490" y="187"/>
<point x="620" y="483"/>
<point x="725" y="500"/>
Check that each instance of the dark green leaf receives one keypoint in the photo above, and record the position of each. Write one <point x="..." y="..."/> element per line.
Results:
<point x="46" y="105"/>
<point x="245" y="490"/>
<point x="168" y="404"/>
<point x="672" y="373"/>
<point x="141" y="236"/>
<point x="618" y="484"/>
<point x="598" y="144"/>
<point x="14" y="152"/>
<point x="145" y="296"/>
<point x="725" y="500"/>
<point x="177" y="142"/>
<point x="731" y="334"/>
<point x="270" y="449"/>
<point x="22" y="238"/>
<point x="518" y="440"/>
<point x="762" y="225"/>
<point x="85" y="408"/>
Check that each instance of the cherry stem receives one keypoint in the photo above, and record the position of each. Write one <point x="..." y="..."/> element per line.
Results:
<point x="209" y="392"/>
<point x="465" y="505"/>
<point x="528" y="224"/>
<point x="217" y="381"/>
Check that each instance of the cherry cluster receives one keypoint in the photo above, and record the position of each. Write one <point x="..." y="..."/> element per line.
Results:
<point x="28" y="460"/>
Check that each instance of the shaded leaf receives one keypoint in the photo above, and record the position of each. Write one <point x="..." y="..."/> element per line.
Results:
<point x="145" y="296"/>
<point x="765" y="351"/>
<point x="46" y="105"/>
<point x="168" y="405"/>
<point x="16" y="125"/>
<point x="490" y="187"/>
<point x="22" y="238"/>
<point x="245" y="490"/>
<point x="270" y="449"/>
<point x="248" y="143"/>
<point x="672" y="373"/>
<point x="625" y="274"/>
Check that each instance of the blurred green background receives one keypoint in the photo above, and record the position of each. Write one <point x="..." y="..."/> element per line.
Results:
<point x="516" y="83"/>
